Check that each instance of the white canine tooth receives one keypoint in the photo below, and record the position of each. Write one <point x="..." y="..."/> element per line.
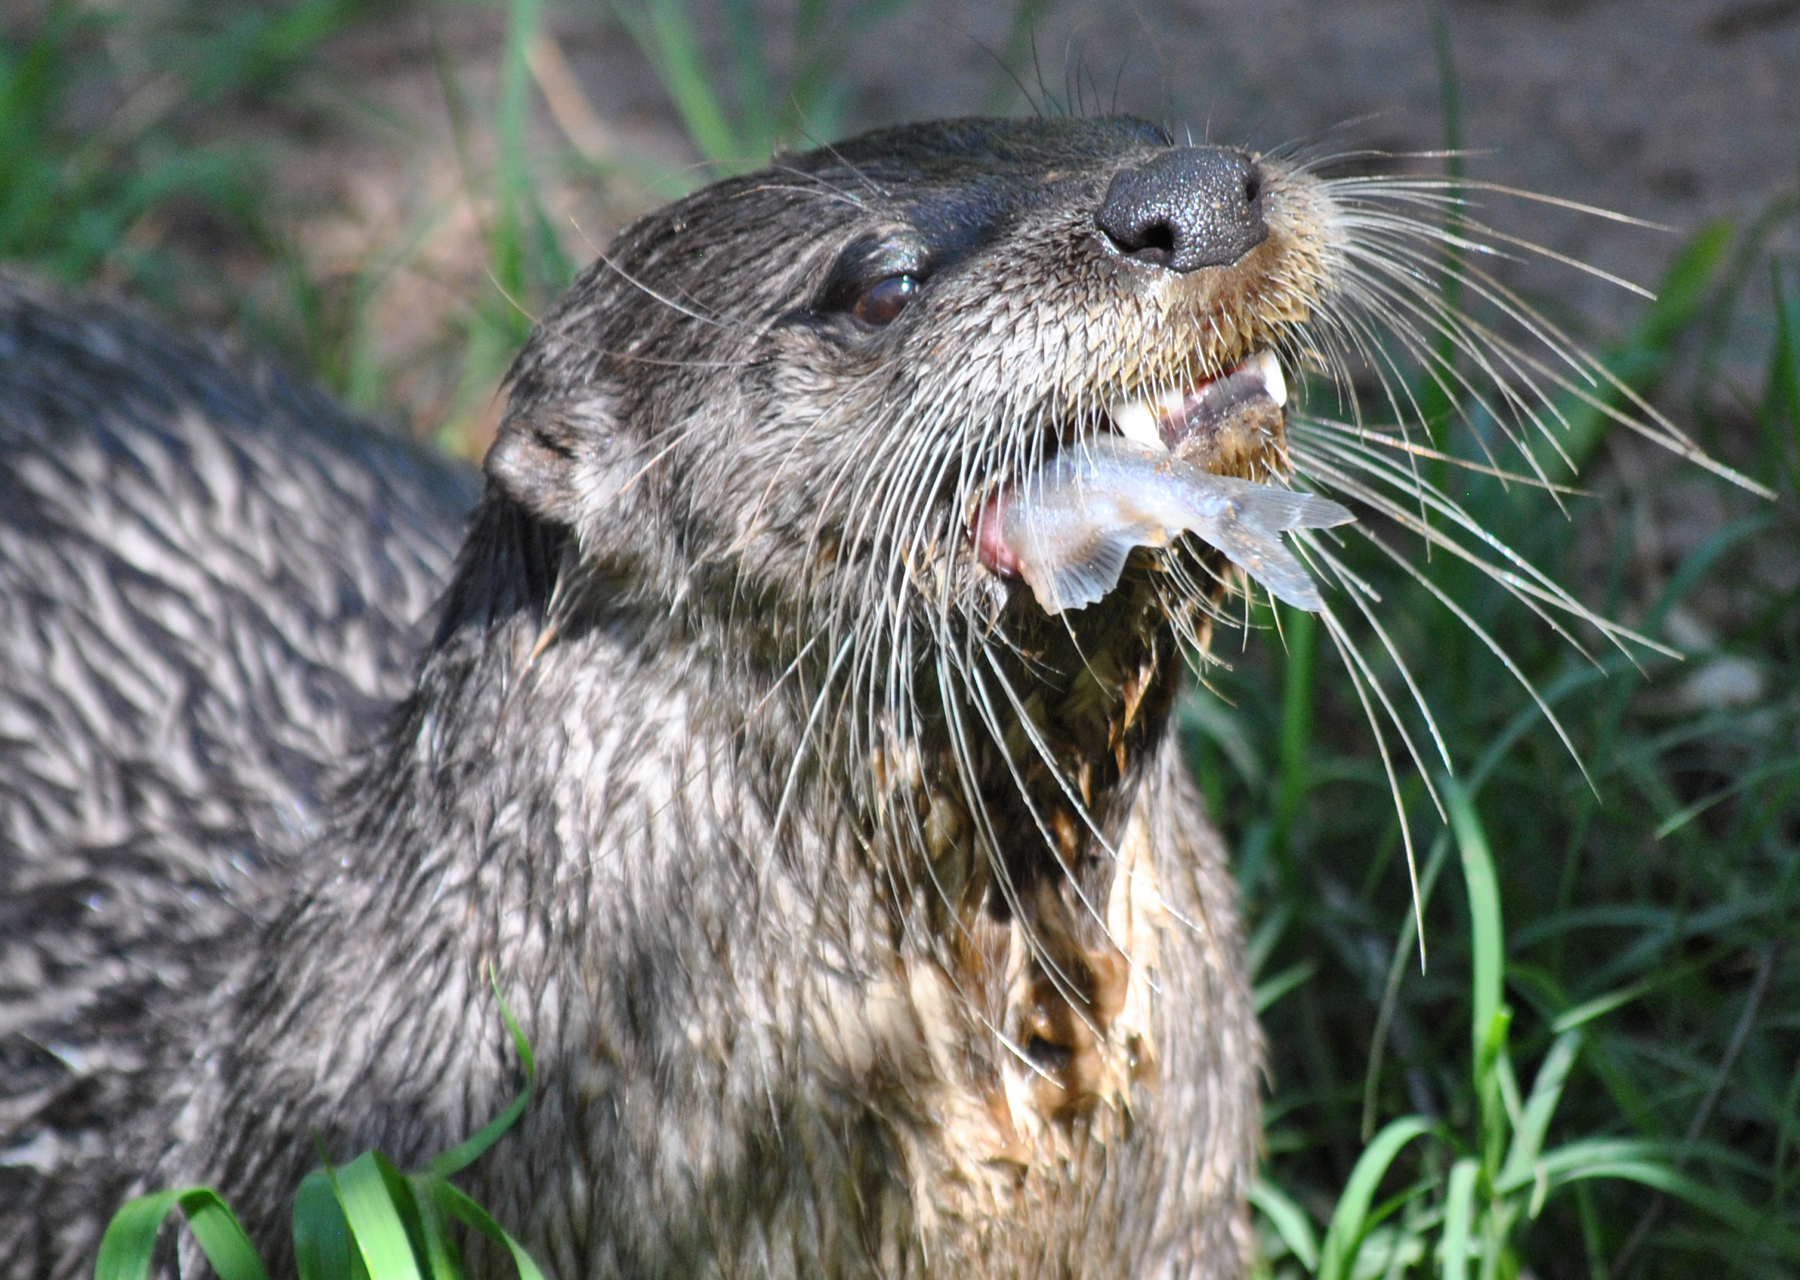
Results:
<point x="1264" y="364"/>
<point x="1137" y="421"/>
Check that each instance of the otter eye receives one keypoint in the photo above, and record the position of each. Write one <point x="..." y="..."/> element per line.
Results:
<point x="881" y="302"/>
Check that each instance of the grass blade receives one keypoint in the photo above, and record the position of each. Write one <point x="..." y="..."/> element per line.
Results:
<point x="1490" y="1020"/>
<point x="1289" y="1221"/>
<point x="459" y="1206"/>
<point x="1546" y="1092"/>
<point x="1599" y="1006"/>
<point x="1680" y="296"/>
<point x="129" y="1246"/>
<point x="1488" y="948"/>
<point x="441" y="1259"/>
<point x="1299" y="633"/>
<point x="1270" y="990"/>
<point x="375" y="1223"/>
<point x="323" y="1247"/>
<point x="1459" y="1219"/>
<point x="468" y="1151"/>
<point x="664" y="30"/>
<point x="1349" y="1222"/>
<point x="1757" y="1229"/>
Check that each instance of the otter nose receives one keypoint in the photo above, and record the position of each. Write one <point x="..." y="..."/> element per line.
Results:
<point x="1188" y="208"/>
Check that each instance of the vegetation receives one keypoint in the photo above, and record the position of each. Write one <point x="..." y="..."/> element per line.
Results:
<point x="1647" y="862"/>
<point x="364" y="1220"/>
<point x="1596" y="1071"/>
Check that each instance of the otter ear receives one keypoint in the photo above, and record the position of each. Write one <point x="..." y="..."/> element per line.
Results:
<point x="563" y="460"/>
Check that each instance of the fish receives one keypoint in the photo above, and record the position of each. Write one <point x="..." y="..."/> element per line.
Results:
<point x="1068" y="526"/>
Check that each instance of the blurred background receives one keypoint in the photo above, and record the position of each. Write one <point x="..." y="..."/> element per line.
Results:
<point x="386" y="191"/>
<point x="333" y="176"/>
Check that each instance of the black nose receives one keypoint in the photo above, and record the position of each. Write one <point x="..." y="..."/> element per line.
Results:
<point x="1188" y="208"/>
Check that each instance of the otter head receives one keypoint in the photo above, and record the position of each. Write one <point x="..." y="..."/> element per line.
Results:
<point x="804" y="381"/>
<point x="792" y="408"/>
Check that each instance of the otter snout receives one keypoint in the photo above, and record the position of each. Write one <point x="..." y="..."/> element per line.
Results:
<point x="1188" y="208"/>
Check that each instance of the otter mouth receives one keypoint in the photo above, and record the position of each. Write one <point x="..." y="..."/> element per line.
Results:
<point x="1200" y="423"/>
<point x="1150" y="474"/>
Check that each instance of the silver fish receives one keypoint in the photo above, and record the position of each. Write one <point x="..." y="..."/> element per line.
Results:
<point x="1069" y="526"/>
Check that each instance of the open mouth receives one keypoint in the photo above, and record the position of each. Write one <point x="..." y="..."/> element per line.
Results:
<point x="1189" y="422"/>
<point x="1068" y="527"/>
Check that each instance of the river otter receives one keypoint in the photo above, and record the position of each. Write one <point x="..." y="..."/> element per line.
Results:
<point x="842" y="873"/>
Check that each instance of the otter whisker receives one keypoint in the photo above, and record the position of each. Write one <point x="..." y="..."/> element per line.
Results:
<point x="1423" y="299"/>
<point x="1389" y="375"/>
<point x="1463" y="239"/>
<point x="966" y="776"/>
<point x="1530" y="585"/>
<point x="1481" y="633"/>
<point x="1048" y="756"/>
<point x="1360" y="599"/>
<point x="1361" y="433"/>
<point x="821" y="182"/>
<point x="996" y="726"/>
<point x="806" y="738"/>
<point x="810" y="192"/>
<point x="1645" y="420"/>
<point x="650" y="292"/>
<point x="1395" y="304"/>
<point x="1363" y="681"/>
<point x="1665" y="433"/>
<point x="1401" y="182"/>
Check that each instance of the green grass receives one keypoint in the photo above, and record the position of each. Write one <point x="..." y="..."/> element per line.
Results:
<point x="1597" y="1072"/>
<point x="110" y="164"/>
<point x="1649" y="899"/>
<point x="358" y="1221"/>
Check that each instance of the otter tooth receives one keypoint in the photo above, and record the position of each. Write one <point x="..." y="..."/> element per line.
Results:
<point x="1138" y="422"/>
<point x="1265" y="365"/>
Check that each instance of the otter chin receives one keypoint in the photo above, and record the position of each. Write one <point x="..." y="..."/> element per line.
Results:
<point x="794" y="745"/>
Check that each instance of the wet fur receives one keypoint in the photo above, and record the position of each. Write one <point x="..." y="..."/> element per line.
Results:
<point x="210" y="585"/>
<point x="863" y="919"/>
<point x="780" y="1029"/>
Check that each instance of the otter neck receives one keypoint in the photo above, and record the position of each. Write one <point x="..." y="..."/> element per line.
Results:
<point x="989" y="830"/>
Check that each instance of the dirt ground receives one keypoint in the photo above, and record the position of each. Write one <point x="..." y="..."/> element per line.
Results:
<point x="1673" y="111"/>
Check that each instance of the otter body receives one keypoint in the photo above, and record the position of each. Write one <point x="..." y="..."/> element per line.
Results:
<point x="861" y="916"/>
<point x="211" y="584"/>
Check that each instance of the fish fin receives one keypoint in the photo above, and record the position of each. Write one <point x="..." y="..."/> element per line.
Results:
<point x="1090" y="577"/>
<point x="1259" y="552"/>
